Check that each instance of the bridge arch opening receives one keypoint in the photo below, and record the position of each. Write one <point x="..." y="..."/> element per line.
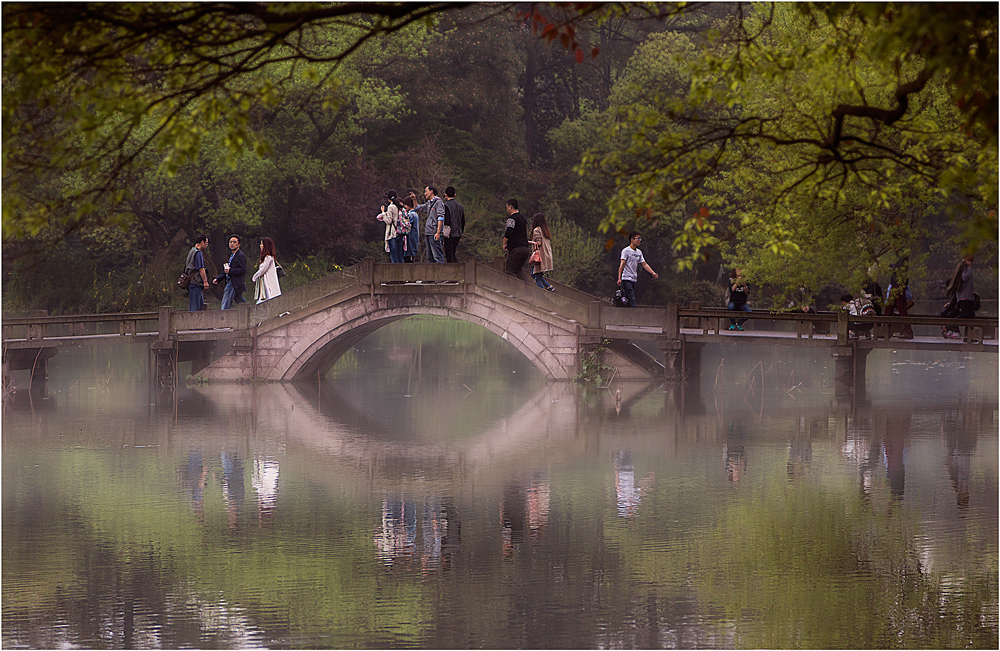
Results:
<point x="318" y="358"/>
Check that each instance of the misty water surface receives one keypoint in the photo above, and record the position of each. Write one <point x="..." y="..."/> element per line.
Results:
<point x="434" y="492"/>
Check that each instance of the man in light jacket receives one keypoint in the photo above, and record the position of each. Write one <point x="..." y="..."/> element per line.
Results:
<point x="433" y="208"/>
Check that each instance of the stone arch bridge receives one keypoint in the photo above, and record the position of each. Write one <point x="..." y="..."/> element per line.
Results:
<point x="303" y="332"/>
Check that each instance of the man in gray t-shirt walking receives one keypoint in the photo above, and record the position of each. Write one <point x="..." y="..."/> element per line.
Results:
<point x="628" y="270"/>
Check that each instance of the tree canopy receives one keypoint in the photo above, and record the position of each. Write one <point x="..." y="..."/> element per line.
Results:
<point x="773" y="136"/>
<point x="803" y="119"/>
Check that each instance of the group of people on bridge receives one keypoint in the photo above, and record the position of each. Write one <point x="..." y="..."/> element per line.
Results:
<point x="444" y="224"/>
<point x="233" y="275"/>
<point x="963" y="301"/>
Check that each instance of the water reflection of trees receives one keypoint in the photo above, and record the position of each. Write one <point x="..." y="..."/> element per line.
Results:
<point x="810" y="549"/>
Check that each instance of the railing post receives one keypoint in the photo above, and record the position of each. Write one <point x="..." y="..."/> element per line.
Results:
<point x="37" y="331"/>
<point x="366" y="272"/>
<point x="594" y="315"/>
<point x="163" y="323"/>
<point x="470" y="271"/>
<point x="842" y="328"/>
<point x="242" y="316"/>
<point x="671" y="324"/>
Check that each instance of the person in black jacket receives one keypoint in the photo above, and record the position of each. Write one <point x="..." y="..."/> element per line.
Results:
<point x="515" y="242"/>
<point x="454" y="224"/>
<point x="233" y="274"/>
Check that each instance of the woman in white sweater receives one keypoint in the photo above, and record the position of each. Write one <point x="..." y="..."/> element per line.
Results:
<point x="267" y="274"/>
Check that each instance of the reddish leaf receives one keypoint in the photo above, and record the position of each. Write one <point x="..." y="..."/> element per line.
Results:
<point x="610" y="244"/>
<point x="595" y="52"/>
<point x="579" y="56"/>
<point x="703" y="211"/>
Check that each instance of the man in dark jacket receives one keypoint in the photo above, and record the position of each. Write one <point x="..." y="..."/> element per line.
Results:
<point x="515" y="242"/>
<point x="454" y="222"/>
<point x="233" y="274"/>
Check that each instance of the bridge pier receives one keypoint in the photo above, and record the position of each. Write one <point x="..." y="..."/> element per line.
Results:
<point x="850" y="367"/>
<point x="163" y="370"/>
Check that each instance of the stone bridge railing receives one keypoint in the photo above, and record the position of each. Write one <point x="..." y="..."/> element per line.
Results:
<point x="30" y="339"/>
<point x="593" y="314"/>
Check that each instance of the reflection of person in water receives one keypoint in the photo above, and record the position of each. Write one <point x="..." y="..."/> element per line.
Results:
<point x="193" y="479"/>
<point x="865" y="450"/>
<point x="397" y="538"/>
<point x="629" y="492"/>
<point x="735" y="452"/>
<point x="538" y="506"/>
<point x="895" y="452"/>
<point x="232" y="484"/>
<point x="452" y="536"/>
<point x="397" y="535"/>
<point x="961" y="444"/>
<point x="512" y="516"/>
<point x="799" y="452"/>
<point x="265" y="484"/>
<point x="433" y="527"/>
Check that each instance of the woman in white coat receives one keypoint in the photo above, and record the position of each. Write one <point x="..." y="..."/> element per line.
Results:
<point x="267" y="274"/>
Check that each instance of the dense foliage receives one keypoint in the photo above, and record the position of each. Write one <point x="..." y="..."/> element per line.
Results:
<point x="809" y="144"/>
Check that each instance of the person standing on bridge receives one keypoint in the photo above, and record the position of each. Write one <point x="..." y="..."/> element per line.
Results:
<point x="233" y="274"/>
<point x="961" y="291"/>
<point x="515" y="242"/>
<point x="736" y="298"/>
<point x="412" y="239"/>
<point x="392" y="216"/>
<point x="433" y="208"/>
<point x="267" y="274"/>
<point x="454" y="224"/>
<point x="899" y="298"/>
<point x="541" y="241"/>
<point x="195" y="263"/>
<point x="628" y="270"/>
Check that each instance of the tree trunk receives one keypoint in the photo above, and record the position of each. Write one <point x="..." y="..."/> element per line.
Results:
<point x="529" y="106"/>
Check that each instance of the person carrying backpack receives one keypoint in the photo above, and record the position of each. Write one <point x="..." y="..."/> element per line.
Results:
<point x="860" y="306"/>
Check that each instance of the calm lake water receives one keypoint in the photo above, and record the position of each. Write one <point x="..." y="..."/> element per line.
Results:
<point x="434" y="492"/>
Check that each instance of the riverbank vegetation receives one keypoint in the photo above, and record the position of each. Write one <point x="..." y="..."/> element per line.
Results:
<point x="810" y="145"/>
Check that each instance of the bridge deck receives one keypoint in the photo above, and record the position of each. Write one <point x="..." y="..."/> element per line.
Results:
<point x="596" y="318"/>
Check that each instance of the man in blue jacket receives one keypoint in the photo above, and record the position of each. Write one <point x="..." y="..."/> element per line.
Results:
<point x="233" y="273"/>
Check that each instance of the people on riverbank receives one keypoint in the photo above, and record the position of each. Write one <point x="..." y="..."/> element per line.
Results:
<point x="454" y="224"/>
<point x="737" y="295"/>
<point x="628" y="269"/>
<point x="266" y="277"/>
<point x="541" y="243"/>
<point x="962" y="296"/>
<point x="433" y="210"/>
<point x="194" y="266"/>
<point x="515" y="242"/>
<point x="233" y="275"/>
